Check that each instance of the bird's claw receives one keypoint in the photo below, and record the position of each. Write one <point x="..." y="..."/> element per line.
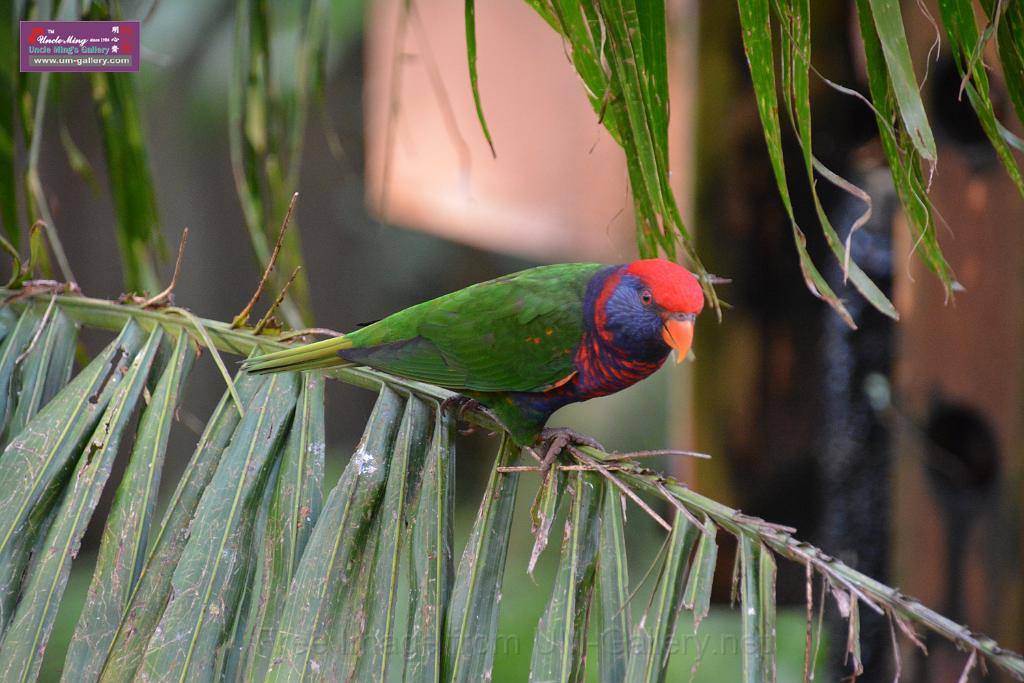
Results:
<point x="461" y="404"/>
<point x="557" y="440"/>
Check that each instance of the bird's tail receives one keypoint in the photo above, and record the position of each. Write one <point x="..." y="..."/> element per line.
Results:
<point x="321" y="354"/>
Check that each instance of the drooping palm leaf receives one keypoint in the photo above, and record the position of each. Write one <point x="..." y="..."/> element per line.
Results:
<point x="246" y="581"/>
<point x="471" y="624"/>
<point x="295" y="501"/>
<point x="380" y="633"/>
<point x="618" y="49"/>
<point x="21" y="651"/>
<point x="431" y="563"/>
<point x="208" y="579"/>
<point x="958" y="20"/>
<point x="124" y="652"/>
<point x="317" y="607"/>
<point x="652" y="634"/>
<point x="560" y="641"/>
<point x="613" y="589"/>
<point x="123" y="547"/>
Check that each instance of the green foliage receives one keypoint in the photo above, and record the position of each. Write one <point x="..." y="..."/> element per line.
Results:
<point x="131" y="185"/>
<point x="123" y="548"/>
<point x="250" y="577"/>
<point x="904" y="160"/>
<point x="618" y="48"/>
<point x="560" y="642"/>
<point x="267" y="121"/>
<point x="962" y="31"/>
<point x="613" y="589"/>
<point x="652" y="635"/>
<point x="472" y="619"/>
<point x="267" y="124"/>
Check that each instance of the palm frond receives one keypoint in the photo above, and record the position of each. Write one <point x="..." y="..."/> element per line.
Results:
<point x="618" y="48"/>
<point x="249" y="577"/>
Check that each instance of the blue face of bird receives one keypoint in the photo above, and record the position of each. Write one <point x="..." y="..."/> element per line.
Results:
<point x="639" y="325"/>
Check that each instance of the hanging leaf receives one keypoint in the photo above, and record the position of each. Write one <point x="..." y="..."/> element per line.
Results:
<point x="44" y="368"/>
<point x="757" y="602"/>
<point x="34" y="466"/>
<point x="900" y="154"/>
<point x="1010" y="38"/>
<point x="697" y="596"/>
<point x="231" y="658"/>
<point x="24" y="643"/>
<point x="613" y="589"/>
<point x="474" y="84"/>
<point x="542" y="513"/>
<point x="207" y="581"/>
<point x="294" y="508"/>
<point x="153" y="587"/>
<point x="755" y="21"/>
<point x="379" y="649"/>
<point x="123" y="547"/>
<point x="888" y="22"/>
<point x="430" y="556"/>
<point x="652" y="635"/>
<point x="472" y="620"/>
<point x="958" y="20"/>
<point x="795" y="38"/>
<point x="14" y="345"/>
<point x="317" y="604"/>
<point x="560" y="641"/>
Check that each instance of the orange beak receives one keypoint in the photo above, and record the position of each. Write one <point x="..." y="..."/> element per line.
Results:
<point x="678" y="333"/>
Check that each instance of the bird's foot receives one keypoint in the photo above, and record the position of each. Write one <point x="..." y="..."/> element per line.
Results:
<point x="460" y="404"/>
<point x="557" y="440"/>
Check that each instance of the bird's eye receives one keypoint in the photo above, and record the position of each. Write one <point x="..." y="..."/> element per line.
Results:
<point x="646" y="298"/>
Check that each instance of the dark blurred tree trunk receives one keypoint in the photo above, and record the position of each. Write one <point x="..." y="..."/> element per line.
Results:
<point x="856" y="441"/>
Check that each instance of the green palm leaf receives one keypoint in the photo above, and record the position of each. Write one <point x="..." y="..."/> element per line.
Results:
<point x="21" y="652"/>
<point x="471" y="624"/>
<point x="324" y="597"/>
<point x="208" y="579"/>
<point x="560" y="642"/>
<point x="248" y="579"/>
<point x="431" y="566"/>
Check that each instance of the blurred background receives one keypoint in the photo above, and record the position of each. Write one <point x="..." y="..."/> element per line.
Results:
<point x="896" y="447"/>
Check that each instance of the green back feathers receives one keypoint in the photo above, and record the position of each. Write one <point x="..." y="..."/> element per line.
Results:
<point x="515" y="333"/>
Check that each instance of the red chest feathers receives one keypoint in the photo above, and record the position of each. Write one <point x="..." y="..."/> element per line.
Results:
<point x="601" y="369"/>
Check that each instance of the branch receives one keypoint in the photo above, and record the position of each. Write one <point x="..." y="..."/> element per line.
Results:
<point x="876" y="595"/>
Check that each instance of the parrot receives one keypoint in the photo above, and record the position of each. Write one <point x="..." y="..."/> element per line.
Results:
<point x="524" y="345"/>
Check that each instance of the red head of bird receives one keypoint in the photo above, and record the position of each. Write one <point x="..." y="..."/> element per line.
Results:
<point x="648" y="307"/>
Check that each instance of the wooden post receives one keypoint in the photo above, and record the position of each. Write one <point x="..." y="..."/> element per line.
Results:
<point x="959" y="388"/>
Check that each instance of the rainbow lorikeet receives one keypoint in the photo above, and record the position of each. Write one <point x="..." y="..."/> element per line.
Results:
<point x="526" y="344"/>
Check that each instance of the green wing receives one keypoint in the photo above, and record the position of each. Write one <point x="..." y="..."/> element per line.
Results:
<point x="515" y="333"/>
